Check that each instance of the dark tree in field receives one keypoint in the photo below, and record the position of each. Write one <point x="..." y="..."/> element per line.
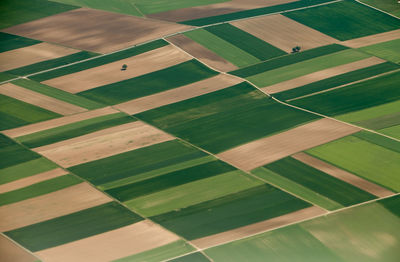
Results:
<point x="296" y="49"/>
<point x="124" y="67"/>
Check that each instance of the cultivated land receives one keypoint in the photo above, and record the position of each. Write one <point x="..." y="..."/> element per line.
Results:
<point x="12" y="252"/>
<point x="372" y="39"/>
<point x="387" y="50"/>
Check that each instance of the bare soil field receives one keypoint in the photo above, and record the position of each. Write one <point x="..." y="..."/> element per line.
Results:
<point x="343" y="175"/>
<point x="32" y="54"/>
<point x="372" y="39"/>
<point x="111" y="245"/>
<point x="95" y="30"/>
<point x="320" y="75"/>
<point x="62" y="202"/>
<point x="11" y="252"/>
<point x="178" y="94"/>
<point x="103" y="143"/>
<point x="148" y="62"/>
<point x="272" y="148"/>
<point x="30" y="129"/>
<point x="200" y="52"/>
<point x="27" y="181"/>
<point x="259" y="227"/>
<point x="40" y="100"/>
<point x="215" y="9"/>
<point x="284" y="32"/>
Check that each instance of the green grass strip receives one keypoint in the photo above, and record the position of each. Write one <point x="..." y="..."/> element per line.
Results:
<point x="379" y="140"/>
<point x="385" y="5"/>
<point x="9" y="42"/>
<point x="151" y="83"/>
<point x="387" y="50"/>
<point x="382" y="122"/>
<point x="57" y="134"/>
<point x="6" y="76"/>
<point x="99" y="61"/>
<point x="393" y="131"/>
<point x="12" y="153"/>
<point x="58" y="94"/>
<point x="288" y="60"/>
<point x="392" y="204"/>
<point x="195" y="257"/>
<point x="75" y="226"/>
<point x="38" y="189"/>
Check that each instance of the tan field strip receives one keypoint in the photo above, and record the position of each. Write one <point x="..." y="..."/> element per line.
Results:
<point x="11" y="252"/>
<point x="272" y="148"/>
<point x="30" y="129"/>
<point x="200" y="52"/>
<point x="27" y="181"/>
<point x="103" y="143"/>
<point x="37" y="99"/>
<point x="119" y="243"/>
<point x="178" y="94"/>
<point x="284" y="32"/>
<point x="95" y="30"/>
<point x="259" y="227"/>
<point x="215" y="9"/>
<point x="321" y="75"/>
<point x="32" y="54"/>
<point x="372" y="39"/>
<point x="110" y="73"/>
<point x="62" y="202"/>
<point x="343" y="175"/>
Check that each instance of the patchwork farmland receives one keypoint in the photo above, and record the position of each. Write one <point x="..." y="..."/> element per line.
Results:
<point x="217" y="130"/>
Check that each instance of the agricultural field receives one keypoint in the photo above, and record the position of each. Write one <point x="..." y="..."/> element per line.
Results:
<point x="189" y="130"/>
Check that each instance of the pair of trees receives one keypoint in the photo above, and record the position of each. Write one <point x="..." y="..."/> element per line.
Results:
<point x="296" y="49"/>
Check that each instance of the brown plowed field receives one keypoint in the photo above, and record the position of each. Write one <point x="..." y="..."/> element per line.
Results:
<point x="11" y="252"/>
<point x="372" y="39"/>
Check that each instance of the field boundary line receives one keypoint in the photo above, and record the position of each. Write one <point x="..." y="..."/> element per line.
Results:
<point x="380" y="10"/>
<point x="20" y="246"/>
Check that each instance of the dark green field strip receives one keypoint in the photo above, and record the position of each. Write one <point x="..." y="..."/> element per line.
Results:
<point x="38" y="189"/>
<point x="6" y="76"/>
<point x="252" y="12"/>
<point x="195" y="257"/>
<point x="58" y="94"/>
<point x="99" y="61"/>
<point x="57" y="134"/>
<point x="226" y="118"/>
<point x="9" y="42"/>
<point x="151" y="83"/>
<point x="25" y="169"/>
<point x="245" y="41"/>
<point x="392" y="204"/>
<point x="373" y="92"/>
<point x="225" y="213"/>
<point x="337" y="80"/>
<point x="324" y="184"/>
<point x="136" y="162"/>
<point x="379" y="140"/>
<point x="72" y="227"/>
<point x="45" y="65"/>
<point x="345" y="20"/>
<point x="173" y="179"/>
<point x="380" y="122"/>
<point x="12" y="153"/>
<point x="16" y="113"/>
<point x="288" y="60"/>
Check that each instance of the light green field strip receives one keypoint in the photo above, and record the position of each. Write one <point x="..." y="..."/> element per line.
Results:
<point x="393" y="131"/>
<point x="390" y="6"/>
<point x="192" y="193"/>
<point x="172" y="250"/>
<point x="223" y="48"/>
<point x="157" y="172"/>
<point x="306" y="67"/>
<point x="372" y="162"/>
<point x="26" y="169"/>
<point x="388" y="50"/>
<point x="296" y="189"/>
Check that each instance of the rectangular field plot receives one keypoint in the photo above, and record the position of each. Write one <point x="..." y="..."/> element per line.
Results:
<point x="230" y="212"/>
<point x="345" y="20"/>
<point x="360" y="157"/>
<point x="10" y="251"/>
<point x="68" y="228"/>
<point x="385" y="5"/>
<point x="151" y="83"/>
<point x="9" y="42"/>
<point x="339" y="237"/>
<point x="387" y="50"/>
<point x="222" y="119"/>
<point x="312" y="184"/>
<point x="373" y="92"/>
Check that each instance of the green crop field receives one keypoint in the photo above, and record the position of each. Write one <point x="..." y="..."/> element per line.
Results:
<point x="226" y="118"/>
<point x="229" y="212"/>
<point x="10" y="42"/>
<point x="345" y="20"/>
<point x="334" y="192"/>
<point x="151" y="83"/>
<point x="75" y="226"/>
<point x="195" y="257"/>
<point x="57" y="134"/>
<point x="387" y="50"/>
<point x="360" y="157"/>
<point x="393" y="131"/>
<point x="373" y="92"/>
<point x="338" y="80"/>
<point x="389" y="6"/>
<point x="15" y="113"/>
<point x="379" y="140"/>
<point x="338" y="237"/>
<point x="12" y="153"/>
<point x="6" y="76"/>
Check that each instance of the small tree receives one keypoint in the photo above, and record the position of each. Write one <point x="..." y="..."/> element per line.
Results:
<point x="124" y="67"/>
<point x="296" y="49"/>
